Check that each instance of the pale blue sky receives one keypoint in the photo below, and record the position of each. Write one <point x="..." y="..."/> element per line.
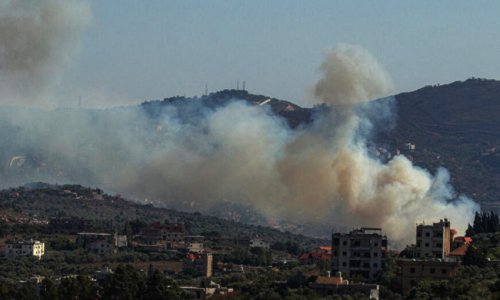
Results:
<point x="139" y="50"/>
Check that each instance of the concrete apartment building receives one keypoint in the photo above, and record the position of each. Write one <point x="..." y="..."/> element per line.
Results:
<point x="360" y="252"/>
<point x="414" y="270"/>
<point x="100" y="242"/>
<point x="434" y="240"/>
<point x="172" y="235"/>
<point x="25" y="248"/>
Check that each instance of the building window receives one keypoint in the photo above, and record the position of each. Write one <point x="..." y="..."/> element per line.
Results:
<point x="432" y="270"/>
<point x="375" y="265"/>
<point x="427" y="234"/>
<point x="375" y="254"/>
<point x="344" y="243"/>
<point x="344" y="264"/>
<point x="412" y="270"/>
<point x="426" y="244"/>
<point x="443" y="271"/>
<point x="344" y="253"/>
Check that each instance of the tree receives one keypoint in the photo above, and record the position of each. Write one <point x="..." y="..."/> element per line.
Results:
<point x="158" y="287"/>
<point x="48" y="290"/>
<point x="474" y="257"/>
<point x="126" y="283"/>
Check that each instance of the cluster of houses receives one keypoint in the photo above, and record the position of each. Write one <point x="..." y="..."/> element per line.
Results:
<point x="360" y="255"/>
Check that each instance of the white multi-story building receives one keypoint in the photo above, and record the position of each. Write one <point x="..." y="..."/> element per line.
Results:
<point x="361" y="252"/>
<point x="25" y="248"/>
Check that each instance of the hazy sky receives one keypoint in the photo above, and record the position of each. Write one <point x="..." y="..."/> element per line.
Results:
<point x="140" y="50"/>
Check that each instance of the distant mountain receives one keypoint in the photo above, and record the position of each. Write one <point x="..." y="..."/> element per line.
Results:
<point x="457" y="126"/>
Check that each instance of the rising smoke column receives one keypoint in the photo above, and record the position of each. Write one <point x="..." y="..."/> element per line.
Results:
<point x="37" y="41"/>
<point x="321" y="173"/>
<point x="333" y="175"/>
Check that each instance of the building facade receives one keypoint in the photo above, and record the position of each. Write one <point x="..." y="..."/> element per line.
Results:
<point x="327" y="286"/>
<point x="199" y="264"/>
<point x="25" y="248"/>
<point x="98" y="242"/>
<point x="172" y="235"/>
<point x="361" y="252"/>
<point x="414" y="270"/>
<point x="259" y="243"/>
<point x="434" y="240"/>
<point x="194" y="243"/>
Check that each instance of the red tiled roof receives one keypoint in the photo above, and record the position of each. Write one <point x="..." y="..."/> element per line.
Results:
<point x="463" y="239"/>
<point x="304" y="256"/>
<point x="460" y="251"/>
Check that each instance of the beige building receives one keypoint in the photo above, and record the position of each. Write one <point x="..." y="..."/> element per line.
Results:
<point x="336" y="285"/>
<point x="194" y="243"/>
<point x="434" y="240"/>
<point x="414" y="270"/>
<point x="360" y="252"/>
<point x="172" y="235"/>
<point x="25" y="248"/>
<point x="199" y="264"/>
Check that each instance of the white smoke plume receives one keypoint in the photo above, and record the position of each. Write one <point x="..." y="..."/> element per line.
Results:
<point x="37" y="41"/>
<point x="200" y="155"/>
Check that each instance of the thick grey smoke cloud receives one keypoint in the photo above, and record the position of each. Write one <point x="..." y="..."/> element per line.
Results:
<point x="37" y="41"/>
<point x="319" y="173"/>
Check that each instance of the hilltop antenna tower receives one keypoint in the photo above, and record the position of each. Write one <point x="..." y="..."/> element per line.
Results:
<point x="206" y="89"/>
<point x="238" y="84"/>
<point x="244" y="85"/>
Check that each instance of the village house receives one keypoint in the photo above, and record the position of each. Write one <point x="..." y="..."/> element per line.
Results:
<point x="24" y="248"/>
<point x="361" y="252"/>
<point x="459" y="247"/>
<point x="320" y="254"/>
<point x="170" y="235"/>
<point x="101" y="243"/>
<point x="438" y="254"/>
<point x="336" y="285"/>
<point x="199" y="264"/>
<point x="194" y="243"/>
<point x="259" y="243"/>
<point x="207" y="290"/>
<point x="414" y="270"/>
